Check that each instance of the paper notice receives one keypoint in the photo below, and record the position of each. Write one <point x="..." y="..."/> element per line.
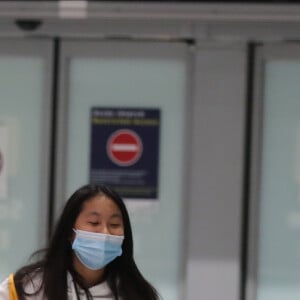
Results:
<point x="3" y="161"/>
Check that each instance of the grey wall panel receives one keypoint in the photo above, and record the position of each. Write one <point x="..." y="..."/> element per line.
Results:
<point x="214" y="227"/>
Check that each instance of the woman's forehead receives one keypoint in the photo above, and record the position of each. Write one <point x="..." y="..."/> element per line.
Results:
<point x="99" y="205"/>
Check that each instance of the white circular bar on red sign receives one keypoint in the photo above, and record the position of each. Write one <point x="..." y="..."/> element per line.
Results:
<point x="124" y="147"/>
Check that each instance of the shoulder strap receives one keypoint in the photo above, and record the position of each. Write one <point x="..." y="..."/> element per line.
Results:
<point x="12" y="288"/>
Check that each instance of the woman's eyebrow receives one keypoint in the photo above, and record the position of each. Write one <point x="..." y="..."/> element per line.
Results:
<point x="93" y="213"/>
<point x="116" y="215"/>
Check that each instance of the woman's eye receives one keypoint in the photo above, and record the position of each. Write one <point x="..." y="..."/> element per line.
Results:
<point x="115" y="225"/>
<point x="93" y="223"/>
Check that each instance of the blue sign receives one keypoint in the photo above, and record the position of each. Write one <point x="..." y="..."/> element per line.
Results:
<point x="125" y="150"/>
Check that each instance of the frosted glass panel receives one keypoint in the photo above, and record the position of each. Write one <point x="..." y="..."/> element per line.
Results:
<point x="279" y="234"/>
<point x="136" y="77"/>
<point x="21" y="109"/>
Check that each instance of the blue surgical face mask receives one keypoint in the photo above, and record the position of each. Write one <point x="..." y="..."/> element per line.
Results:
<point x="96" y="250"/>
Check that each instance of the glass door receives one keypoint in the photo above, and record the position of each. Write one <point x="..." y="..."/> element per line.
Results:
<point x="119" y="78"/>
<point x="274" y="264"/>
<point x="25" y="114"/>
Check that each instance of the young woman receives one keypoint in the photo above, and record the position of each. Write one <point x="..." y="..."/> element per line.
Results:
<point x="90" y="255"/>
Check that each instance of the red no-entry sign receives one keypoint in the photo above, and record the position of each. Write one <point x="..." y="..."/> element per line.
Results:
<point x="124" y="147"/>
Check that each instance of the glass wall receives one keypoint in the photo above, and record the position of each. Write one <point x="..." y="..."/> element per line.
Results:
<point x="134" y="75"/>
<point x="278" y="194"/>
<point x="25" y="81"/>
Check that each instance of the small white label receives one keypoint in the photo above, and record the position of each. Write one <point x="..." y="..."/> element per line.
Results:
<point x="3" y="161"/>
<point x="72" y="9"/>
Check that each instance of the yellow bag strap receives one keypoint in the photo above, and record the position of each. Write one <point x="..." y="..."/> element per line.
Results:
<point x="12" y="288"/>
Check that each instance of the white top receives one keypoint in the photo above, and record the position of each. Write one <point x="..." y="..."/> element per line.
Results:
<point x="100" y="291"/>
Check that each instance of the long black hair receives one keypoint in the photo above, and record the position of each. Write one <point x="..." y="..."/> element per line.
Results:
<point x="122" y="275"/>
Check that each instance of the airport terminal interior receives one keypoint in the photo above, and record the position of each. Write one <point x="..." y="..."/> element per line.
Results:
<point x="190" y="110"/>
